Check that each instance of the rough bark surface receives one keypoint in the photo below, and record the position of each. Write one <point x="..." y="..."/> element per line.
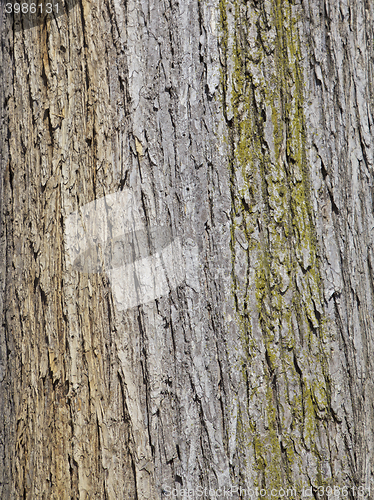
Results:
<point x="245" y="127"/>
<point x="298" y="104"/>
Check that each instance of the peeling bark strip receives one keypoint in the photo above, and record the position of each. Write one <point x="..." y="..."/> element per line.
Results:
<point x="301" y="420"/>
<point x="101" y="402"/>
<point x="285" y="409"/>
<point x="245" y="130"/>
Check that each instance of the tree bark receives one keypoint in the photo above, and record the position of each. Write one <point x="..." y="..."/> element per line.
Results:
<point x="245" y="129"/>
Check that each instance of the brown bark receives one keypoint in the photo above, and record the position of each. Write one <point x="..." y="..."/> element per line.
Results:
<point x="245" y="129"/>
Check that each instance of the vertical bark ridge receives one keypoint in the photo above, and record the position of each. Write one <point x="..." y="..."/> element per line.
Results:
<point x="338" y="59"/>
<point x="66" y="434"/>
<point x="287" y="420"/>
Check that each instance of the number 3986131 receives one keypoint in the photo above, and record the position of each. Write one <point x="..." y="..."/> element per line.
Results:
<point x="30" y="13"/>
<point x="32" y="8"/>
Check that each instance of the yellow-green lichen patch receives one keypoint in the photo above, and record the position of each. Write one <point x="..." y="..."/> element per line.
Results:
<point x="276" y="279"/>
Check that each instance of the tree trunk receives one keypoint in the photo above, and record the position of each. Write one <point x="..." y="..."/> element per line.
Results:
<point x="232" y="140"/>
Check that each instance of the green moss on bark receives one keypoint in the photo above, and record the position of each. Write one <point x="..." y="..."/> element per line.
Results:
<point x="276" y="279"/>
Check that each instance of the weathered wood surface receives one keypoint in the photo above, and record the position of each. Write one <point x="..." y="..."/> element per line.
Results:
<point x="245" y="127"/>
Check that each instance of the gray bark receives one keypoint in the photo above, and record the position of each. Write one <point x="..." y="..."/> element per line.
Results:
<point x="246" y="129"/>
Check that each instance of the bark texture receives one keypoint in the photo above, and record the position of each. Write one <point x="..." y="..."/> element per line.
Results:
<point x="246" y="127"/>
